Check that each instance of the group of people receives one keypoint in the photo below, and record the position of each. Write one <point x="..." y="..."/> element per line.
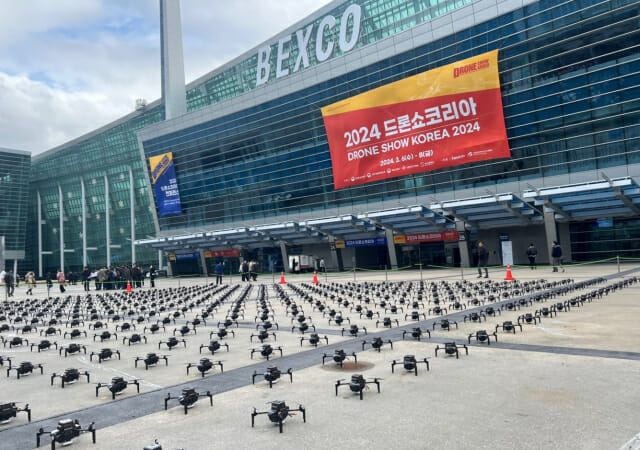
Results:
<point x="249" y="270"/>
<point x="532" y="254"/>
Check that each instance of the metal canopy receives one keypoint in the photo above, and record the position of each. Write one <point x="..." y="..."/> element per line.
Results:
<point x="346" y="227"/>
<point x="608" y="198"/>
<point x="491" y="211"/>
<point x="411" y="219"/>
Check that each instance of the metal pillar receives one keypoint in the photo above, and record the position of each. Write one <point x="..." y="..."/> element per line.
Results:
<point x="39" y="234"/>
<point x="84" y="223"/>
<point x="285" y="256"/>
<point x="463" y="244"/>
<point x="203" y="260"/>
<point x="61" y="216"/>
<point x="133" y="217"/>
<point x="15" y="271"/>
<point x="107" y="213"/>
<point x="391" y="248"/>
<point x="550" y="229"/>
<point x="334" y="253"/>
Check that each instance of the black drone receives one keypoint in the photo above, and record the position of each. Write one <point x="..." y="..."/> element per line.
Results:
<point x="51" y="331"/>
<point x="71" y="349"/>
<point x="416" y="333"/>
<point x="263" y="335"/>
<point x="184" y="330"/>
<point x="451" y="348"/>
<point x="154" y="328"/>
<point x="475" y="317"/>
<point x="172" y="342"/>
<point x="105" y="336"/>
<point x="339" y="356"/>
<point x="125" y="327"/>
<point x="278" y="413"/>
<point x="66" y="431"/>
<point x="354" y="330"/>
<point x="222" y="333"/>
<point x="135" y="338"/>
<point x="187" y="398"/>
<point x="481" y="336"/>
<point x="314" y="339"/>
<point x="70" y="376"/>
<point x="151" y="359"/>
<point x="377" y="343"/>
<point x="44" y="345"/>
<point x="528" y="318"/>
<point x="358" y="384"/>
<point x="272" y="375"/>
<point x="303" y="327"/>
<point x="509" y="326"/>
<point x="445" y="324"/>
<point x="25" y="368"/>
<point x="15" y="342"/>
<point x="387" y="322"/>
<point x="75" y="333"/>
<point x="10" y="409"/>
<point x="266" y="351"/>
<point x="415" y="315"/>
<point x="204" y="366"/>
<point x="214" y="346"/>
<point x="104" y="354"/>
<point x="117" y="385"/>
<point x="410" y="363"/>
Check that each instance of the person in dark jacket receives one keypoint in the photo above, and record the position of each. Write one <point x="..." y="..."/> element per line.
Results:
<point x="556" y="256"/>
<point x="8" y="283"/>
<point x="152" y="276"/>
<point x="86" y="273"/>
<point x="532" y="252"/>
<point x="219" y="269"/>
<point x="483" y="260"/>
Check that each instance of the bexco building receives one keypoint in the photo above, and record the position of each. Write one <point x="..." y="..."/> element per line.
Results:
<point x="381" y="133"/>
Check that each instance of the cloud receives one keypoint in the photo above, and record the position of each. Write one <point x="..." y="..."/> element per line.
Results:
<point x="68" y="67"/>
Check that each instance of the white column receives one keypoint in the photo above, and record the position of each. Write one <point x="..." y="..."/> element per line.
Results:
<point x="133" y="217"/>
<point x="106" y="213"/>
<point x="391" y="248"/>
<point x="61" y="215"/>
<point x="172" y="60"/>
<point x="84" y="223"/>
<point x="39" y="235"/>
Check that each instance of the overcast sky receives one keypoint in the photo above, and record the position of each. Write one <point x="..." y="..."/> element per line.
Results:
<point x="70" y="66"/>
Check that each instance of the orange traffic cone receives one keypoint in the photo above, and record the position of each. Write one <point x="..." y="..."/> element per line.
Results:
<point x="282" y="281"/>
<point x="315" y="277"/>
<point x="509" y="277"/>
<point x="129" y="286"/>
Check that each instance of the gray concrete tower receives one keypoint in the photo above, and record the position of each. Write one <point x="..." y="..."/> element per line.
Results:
<point x="172" y="61"/>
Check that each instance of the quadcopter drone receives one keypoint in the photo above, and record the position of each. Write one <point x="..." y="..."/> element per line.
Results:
<point x="410" y="363"/>
<point x="172" y="342"/>
<point x="214" y="346"/>
<point x="266" y="351"/>
<point x="222" y="333"/>
<point x="184" y="330"/>
<point x="71" y="349"/>
<point x="25" y="368"/>
<point x="263" y="335"/>
<point x="74" y="333"/>
<point x="154" y="328"/>
<point x="151" y="360"/>
<point x="475" y="317"/>
<point x="445" y="324"/>
<point x="339" y="356"/>
<point x="15" y="342"/>
<point x="51" y="331"/>
<point x="358" y="384"/>
<point x="104" y="354"/>
<point x="387" y="322"/>
<point x="204" y="366"/>
<point x="10" y="409"/>
<point x="105" y="336"/>
<point x="509" y="326"/>
<point x="135" y="338"/>
<point x="482" y="336"/>
<point x="70" y="376"/>
<point x="278" y="413"/>
<point x="44" y="345"/>
<point x="303" y="327"/>
<point x="272" y="375"/>
<point x="416" y="333"/>
<point x="377" y="343"/>
<point x="66" y="431"/>
<point x="314" y="339"/>
<point x="125" y="326"/>
<point x="187" y="398"/>
<point x="117" y="385"/>
<point x="354" y="330"/>
<point x="529" y="319"/>
<point x="451" y="348"/>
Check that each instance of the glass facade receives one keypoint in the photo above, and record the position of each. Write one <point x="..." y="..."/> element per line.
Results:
<point x="601" y="239"/>
<point x="14" y="186"/>
<point x="570" y="77"/>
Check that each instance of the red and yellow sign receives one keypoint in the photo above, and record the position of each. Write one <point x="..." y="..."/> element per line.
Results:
<point x="222" y="253"/>
<point x="426" y="237"/>
<point x="444" y="117"/>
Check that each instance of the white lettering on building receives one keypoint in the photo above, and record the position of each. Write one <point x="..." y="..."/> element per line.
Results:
<point x="323" y="50"/>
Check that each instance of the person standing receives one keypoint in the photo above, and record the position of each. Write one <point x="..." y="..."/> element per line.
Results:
<point x="244" y="268"/>
<point x="8" y="283"/>
<point x="152" y="276"/>
<point x="253" y="270"/>
<point x="532" y="252"/>
<point x="322" y="266"/>
<point x="219" y="270"/>
<point x="483" y="260"/>
<point x="86" y="273"/>
<point x="30" y="279"/>
<point x="556" y="256"/>
<point x="61" y="280"/>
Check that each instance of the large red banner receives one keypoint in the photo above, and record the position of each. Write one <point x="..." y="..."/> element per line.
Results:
<point x="444" y="117"/>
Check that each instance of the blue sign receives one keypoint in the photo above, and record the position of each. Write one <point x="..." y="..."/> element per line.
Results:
<point x="165" y="185"/>
<point x="187" y="256"/>
<point x="373" y="242"/>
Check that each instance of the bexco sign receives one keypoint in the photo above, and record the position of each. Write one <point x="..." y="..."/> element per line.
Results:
<point x="323" y="50"/>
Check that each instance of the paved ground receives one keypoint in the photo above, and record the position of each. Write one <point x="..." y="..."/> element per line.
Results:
<point x="565" y="383"/>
